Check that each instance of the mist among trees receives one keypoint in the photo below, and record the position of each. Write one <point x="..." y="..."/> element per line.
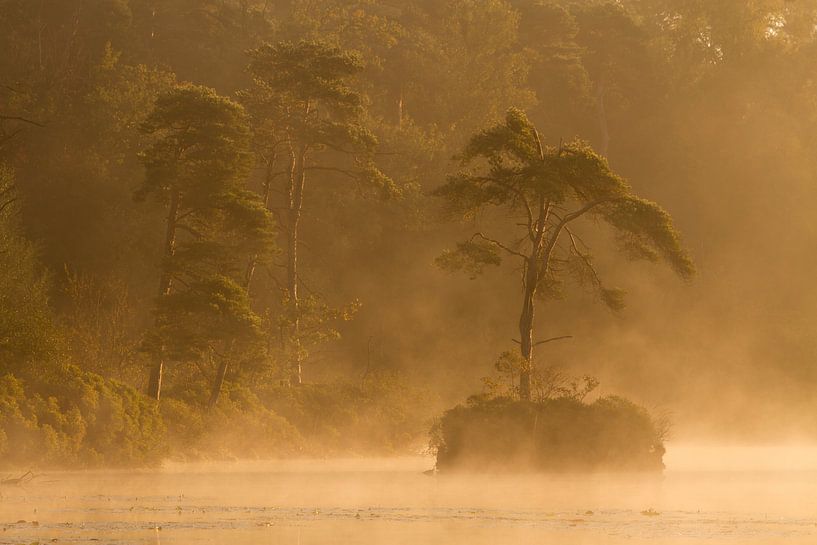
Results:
<point x="240" y="227"/>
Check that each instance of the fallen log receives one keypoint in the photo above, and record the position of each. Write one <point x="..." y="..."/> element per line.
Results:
<point x="26" y="477"/>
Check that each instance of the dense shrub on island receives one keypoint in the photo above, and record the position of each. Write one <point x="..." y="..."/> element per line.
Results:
<point x="563" y="434"/>
<point x="556" y="431"/>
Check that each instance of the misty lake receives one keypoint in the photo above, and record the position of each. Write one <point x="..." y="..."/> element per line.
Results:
<point x="706" y="495"/>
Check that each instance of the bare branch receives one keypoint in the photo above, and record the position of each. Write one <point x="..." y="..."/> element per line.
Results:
<point x="21" y="119"/>
<point x="554" y="238"/>
<point x="7" y="203"/>
<point x="579" y="239"/>
<point x="584" y="257"/>
<point x="500" y="245"/>
<point x="585" y="209"/>
<point x="10" y="136"/>
<point x="552" y="339"/>
<point x="190" y="212"/>
<point x="518" y="193"/>
<point x="349" y="173"/>
<point x="189" y="229"/>
<point x="539" y="144"/>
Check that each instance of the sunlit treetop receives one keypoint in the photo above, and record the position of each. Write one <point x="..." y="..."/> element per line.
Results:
<point x="309" y="74"/>
<point x="507" y="166"/>
<point x="201" y="146"/>
<point x="303" y="98"/>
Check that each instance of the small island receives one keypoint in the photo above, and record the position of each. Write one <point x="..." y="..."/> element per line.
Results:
<point x="564" y="434"/>
<point x="525" y="198"/>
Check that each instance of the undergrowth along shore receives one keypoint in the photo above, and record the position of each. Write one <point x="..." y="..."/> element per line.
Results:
<point x="71" y="418"/>
<point x="76" y="419"/>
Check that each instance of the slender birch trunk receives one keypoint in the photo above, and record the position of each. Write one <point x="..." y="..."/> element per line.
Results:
<point x="296" y="196"/>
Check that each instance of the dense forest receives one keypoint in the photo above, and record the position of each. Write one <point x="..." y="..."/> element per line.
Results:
<point x="249" y="210"/>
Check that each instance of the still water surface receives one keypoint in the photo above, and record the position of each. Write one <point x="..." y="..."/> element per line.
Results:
<point x="710" y="496"/>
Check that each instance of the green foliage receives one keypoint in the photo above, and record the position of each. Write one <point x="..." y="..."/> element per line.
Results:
<point x="96" y="321"/>
<point x="198" y="164"/>
<point x="69" y="417"/>
<point x="559" y="434"/>
<point x="200" y="149"/>
<point x="207" y="312"/>
<point x="645" y="231"/>
<point x="471" y="257"/>
<point x="307" y="115"/>
<point x="238" y="427"/>
<point x="508" y="167"/>
<point x="27" y="333"/>
<point x="318" y="322"/>
<point x="302" y="99"/>
<point x="309" y="72"/>
<point x="701" y="104"/>
<point x="381" y="415"/>
<point x="547" y="382"/>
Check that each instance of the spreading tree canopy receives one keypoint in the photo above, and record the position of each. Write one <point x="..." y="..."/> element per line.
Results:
<point x="541" y="192"/>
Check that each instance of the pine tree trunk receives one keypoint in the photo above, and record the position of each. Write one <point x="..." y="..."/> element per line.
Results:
<point x="526" y="329"/>
<point x="530" y="283"/>
<point x="155" y="379"/>
<point x="296" y="195"/>
<point x="218" y="384"/>
<point x="265" y="195"/>
<point x="221" y="373"/>
<point x="399" y="109"/>
<point x="165" y="284"/>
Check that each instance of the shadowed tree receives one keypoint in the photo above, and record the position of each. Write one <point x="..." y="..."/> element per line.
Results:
<point x="309" y="118"/>
<point x="540" y="192"/>
<point x="616" y="57"/>
<point x="197" y="168"/>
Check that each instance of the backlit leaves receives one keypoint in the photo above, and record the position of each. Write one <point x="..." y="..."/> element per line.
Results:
<point x="471" y="257"/>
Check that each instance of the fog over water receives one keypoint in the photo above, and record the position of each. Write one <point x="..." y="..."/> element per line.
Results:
<point x="708" y="494"/>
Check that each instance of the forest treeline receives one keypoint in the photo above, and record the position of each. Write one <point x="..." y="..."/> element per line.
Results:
<point x="230" y="206"/>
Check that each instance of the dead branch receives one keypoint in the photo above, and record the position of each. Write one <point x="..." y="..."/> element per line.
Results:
<point x="548" y="340"/>
<point x="21" y="119"/>
<point x="26" y="477"/>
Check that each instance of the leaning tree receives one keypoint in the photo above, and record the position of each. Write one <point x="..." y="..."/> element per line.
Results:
<point x="540" y="193"/>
